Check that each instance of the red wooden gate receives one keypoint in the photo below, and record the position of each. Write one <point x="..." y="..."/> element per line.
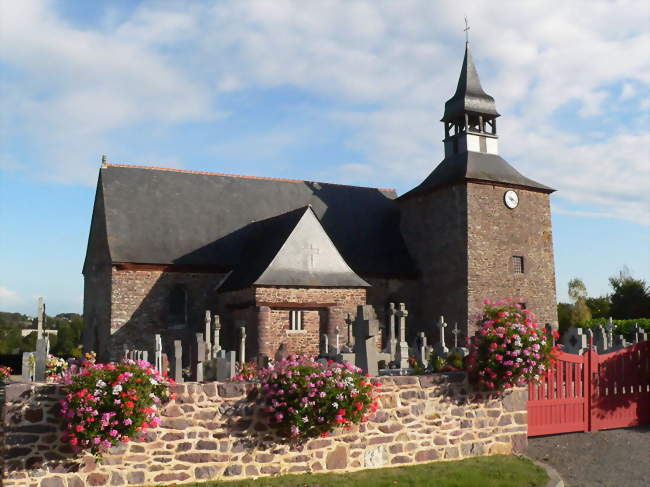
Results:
<point x="591" y="392"/>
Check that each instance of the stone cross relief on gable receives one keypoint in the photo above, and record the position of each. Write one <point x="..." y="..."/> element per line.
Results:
<point x="312" y="252"/>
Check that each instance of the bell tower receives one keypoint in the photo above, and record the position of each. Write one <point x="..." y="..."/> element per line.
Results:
<point x="470" y="115"/>
<point x="476" y="227"/>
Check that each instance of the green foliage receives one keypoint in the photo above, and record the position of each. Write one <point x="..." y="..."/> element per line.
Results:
<point x="599" y="307"/>
<point x="564" y="316"/>
<point x="578" y="294"/>
<point x="64" y="344"/>
<point x="492" y="471"/>
<point x="623" y="327"/>
<point x="630" y="297"/>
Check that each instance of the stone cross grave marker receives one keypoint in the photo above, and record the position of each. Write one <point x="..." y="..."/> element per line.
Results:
<point x="600" y="339"/>
<point x="337" y="347"/>
<point x="619" y="342"/>
<point x="242" y="345"/>
<point x="349" y="321"/>
<point x="366" y="329"/>
<point x="158" y="353"/>
<point x="574" y="341"/>
<point x="40" y="323"/>
<point x="441" y="348"/>
<point x="177" y="362"/>
<point x="216" y="341"/>
<point x="639" y="334"/>
<point x="402" y="353"/>
<point x="208" y="335"/>
<point x="609" y="328"/>
<point x="422" y="349"/>
<point x="455" y="332"/>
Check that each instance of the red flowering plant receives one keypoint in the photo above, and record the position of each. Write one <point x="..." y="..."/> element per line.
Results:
<point x="306" y="399"/>
<point x="508" y="348"/>
<point x="107" y="404"/>
<point x="5" y="373"/>
<point x="246" y="372"/>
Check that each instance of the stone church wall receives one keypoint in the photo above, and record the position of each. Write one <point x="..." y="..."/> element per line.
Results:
<point x="212" y="432"/>
<point x="496" y="234"/>
<point x="319" y="319"/>
<point x="97" y="309"/>
<point x="434" y="227"/>
<point x="141" y="306"/>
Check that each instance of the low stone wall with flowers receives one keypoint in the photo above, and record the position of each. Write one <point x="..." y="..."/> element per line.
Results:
<point x="213" y="431"/>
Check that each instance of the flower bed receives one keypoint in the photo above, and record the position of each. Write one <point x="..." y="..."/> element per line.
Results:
<point x="5" y="373"/>
<point x="509" y="348"/>
<point x="111" y="403"/>
<point x="305" y="399"/>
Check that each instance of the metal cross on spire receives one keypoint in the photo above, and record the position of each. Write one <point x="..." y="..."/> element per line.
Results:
<point x="466" y="29"/>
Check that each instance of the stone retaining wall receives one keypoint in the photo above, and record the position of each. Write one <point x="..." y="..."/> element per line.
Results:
<point x="212" y="431"/>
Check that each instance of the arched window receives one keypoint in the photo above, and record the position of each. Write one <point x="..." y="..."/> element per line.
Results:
<point x="178" y="305"/>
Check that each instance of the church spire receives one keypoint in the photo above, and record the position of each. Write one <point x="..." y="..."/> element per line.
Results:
<point x="470" y="111"/>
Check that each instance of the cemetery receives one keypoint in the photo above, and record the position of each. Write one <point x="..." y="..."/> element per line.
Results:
<point x="214" y="423"/>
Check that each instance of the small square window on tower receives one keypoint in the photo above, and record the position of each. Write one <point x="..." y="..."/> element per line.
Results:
<point x="295" y="318"/>
<point x="518" y="264"/>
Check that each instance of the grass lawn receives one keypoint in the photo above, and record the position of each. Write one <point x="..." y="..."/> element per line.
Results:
<point x="493" y="471"/>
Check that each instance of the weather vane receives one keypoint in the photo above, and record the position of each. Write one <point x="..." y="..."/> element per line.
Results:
<point x="466" y="29"/>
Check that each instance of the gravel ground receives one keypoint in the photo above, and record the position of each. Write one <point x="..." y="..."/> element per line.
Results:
<point x="612" y="458"/>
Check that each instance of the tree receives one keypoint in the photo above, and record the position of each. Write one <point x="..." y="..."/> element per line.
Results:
<point x="564" y="316"/>
<point x="599" y="307"/>
<point x="630" y="297"/>
<point x="578" y="294"/>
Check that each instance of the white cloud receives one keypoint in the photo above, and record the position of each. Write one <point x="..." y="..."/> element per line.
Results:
<point x="387" y="67"/>
<point x="8" y="298"/>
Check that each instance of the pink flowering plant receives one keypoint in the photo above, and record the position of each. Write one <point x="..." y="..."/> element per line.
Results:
<point x="305" y="399"/>
<point x="508" y="348"/>
<point x="107" y="404"/>
<point x="246" y="372"/>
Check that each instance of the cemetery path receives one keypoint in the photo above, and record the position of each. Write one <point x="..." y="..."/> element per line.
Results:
<point x="610" y="458"/>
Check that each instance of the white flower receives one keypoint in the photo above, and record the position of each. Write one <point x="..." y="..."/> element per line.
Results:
<point x="336" y="405"/>
<point x="117" y="389"/>
<point x="100" y="384"/>
<point x="153" y="381"/>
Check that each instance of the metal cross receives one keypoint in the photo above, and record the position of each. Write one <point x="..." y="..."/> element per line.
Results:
<point x="312" y="252"/>
<point x="466" y="29"/>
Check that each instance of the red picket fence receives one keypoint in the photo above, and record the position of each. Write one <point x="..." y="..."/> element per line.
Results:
<point x="591" y="392"/>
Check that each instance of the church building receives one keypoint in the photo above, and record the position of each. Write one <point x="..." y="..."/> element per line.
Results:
<point x="291" y="260"/>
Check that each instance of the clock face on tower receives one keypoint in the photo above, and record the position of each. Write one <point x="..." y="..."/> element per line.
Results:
<point x="511" y="199"/>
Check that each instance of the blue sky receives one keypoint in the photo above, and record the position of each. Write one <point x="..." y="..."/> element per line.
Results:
<point x="339" y="91"/>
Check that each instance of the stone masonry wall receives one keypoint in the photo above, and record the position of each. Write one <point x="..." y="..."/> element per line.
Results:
<point x="319" y="320"/>
<point x="140" y="307"/>
<point x="496" y="234"/>
<point x="212" y="431"/>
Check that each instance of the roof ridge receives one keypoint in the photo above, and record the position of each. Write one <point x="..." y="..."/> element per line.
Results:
<point x="264" y="178"/>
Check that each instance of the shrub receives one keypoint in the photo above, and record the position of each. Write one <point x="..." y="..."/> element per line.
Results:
<point x="246" y="372"/>
<point x="5" y="372"/>
<point x="508" y="348"/>
<point x="111" y="403"/>
<point x="305" y="399"/>
<point x="622" y="327"/>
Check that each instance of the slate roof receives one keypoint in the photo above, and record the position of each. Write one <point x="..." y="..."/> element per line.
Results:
<point x="265" y="239"/>
<point x="158" y="216"/>
<point x="469" y="96"/>
<point x="475" y="166"/>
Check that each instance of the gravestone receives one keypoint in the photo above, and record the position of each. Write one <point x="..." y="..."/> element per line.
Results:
<point x="42" y="350"/>
<point x="462" y="351"/>
<point x="337" y="346"/>
<point x="441" y="348"/>
<point x="402" y="352"/>
<point x="392" y="338"/>
<point x="281" y="353"/>
<point x="40" y="323"/>
<point x="574" y="341"/>
<point x="324" y="344"/>
<point x="242" y="345"/>
<point x="639" y="334"/>
<point x="226" y="365"/>
<point x="29" y="366"/>
<point x="164" y="363"/>
<point x="158" y="353"/>
<point x="208" y="335"/>
<point x="609" y="328"/>
<point x="421" y="349"/>
<point x="619" y="342"/>
<point x="216" y="339"/>
<point x="366" y="329"/>
<point x="177" y="362"/>
<point x="600" y="339"/>
<point x="198" y="359"/>
<point x="263" y="361"/>
<point x="350" y="325"/>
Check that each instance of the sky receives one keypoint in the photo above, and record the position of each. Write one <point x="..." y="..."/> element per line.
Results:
<point x="338" y="91"/>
